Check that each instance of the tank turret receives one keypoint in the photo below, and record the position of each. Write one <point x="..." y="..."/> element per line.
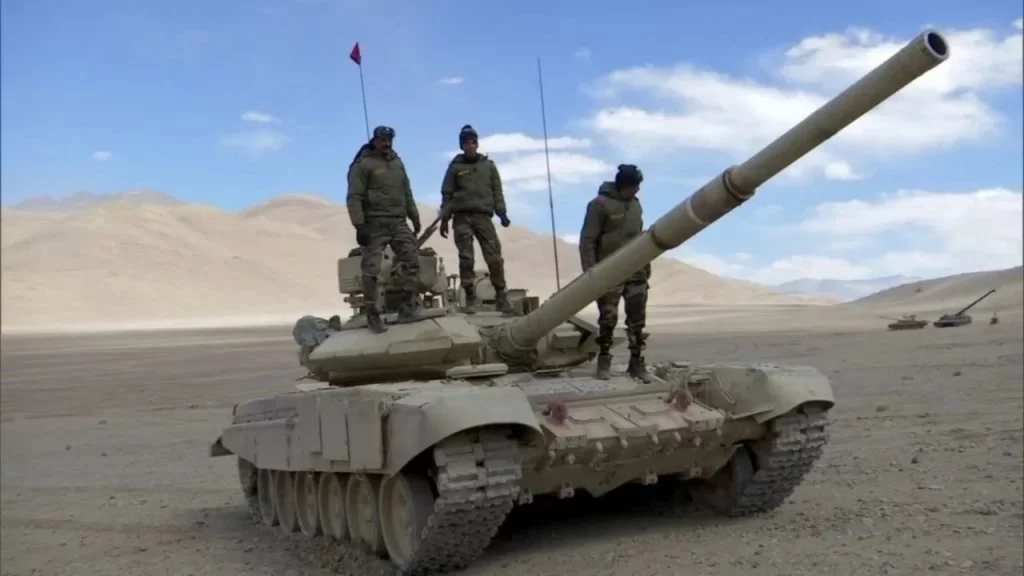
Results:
<point x="425" y="436"/>
<point x="552" y="336"/>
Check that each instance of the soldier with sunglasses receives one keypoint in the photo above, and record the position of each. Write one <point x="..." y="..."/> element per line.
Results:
<point x="379" y="202"/>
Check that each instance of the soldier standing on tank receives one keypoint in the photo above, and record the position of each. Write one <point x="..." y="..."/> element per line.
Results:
<point x="613" y="218"/>
<point x="471" y="190"/>
<point x="379" y="202"/>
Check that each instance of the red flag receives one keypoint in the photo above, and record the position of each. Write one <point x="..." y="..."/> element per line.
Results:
<point x="355" y="55"/>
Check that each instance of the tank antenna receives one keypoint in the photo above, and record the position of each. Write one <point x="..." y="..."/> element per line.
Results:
<point x="547" y="162"/>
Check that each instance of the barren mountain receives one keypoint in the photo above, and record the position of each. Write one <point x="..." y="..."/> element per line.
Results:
<point x="842" y="290"/>
<point x="951" y="293"/>
<point x="123" y="261"/>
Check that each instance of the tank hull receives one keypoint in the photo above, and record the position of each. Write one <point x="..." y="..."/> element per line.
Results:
<point x="952" y="321"/>
<point x="908" y="325"/>
<point x="492" y="443"/>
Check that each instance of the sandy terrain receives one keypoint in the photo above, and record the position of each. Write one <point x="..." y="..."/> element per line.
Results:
<point x="105" y="469"/>
<point x="145" y="260"/>
<point x="104" y="437"/>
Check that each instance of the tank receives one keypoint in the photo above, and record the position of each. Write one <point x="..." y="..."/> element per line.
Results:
<point x="416" y="443"/>
<point x="907" y="322"/>
<point x="960" y="317"/>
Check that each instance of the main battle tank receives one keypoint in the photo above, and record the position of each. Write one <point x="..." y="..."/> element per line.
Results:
<point x="907" y="322"/>
<point x="423" y="438"/>
<point x="961" y="317"/>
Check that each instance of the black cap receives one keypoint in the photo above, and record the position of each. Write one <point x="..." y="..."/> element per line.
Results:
<point x="628" y="175"/>
<point x="466" y="133"/>
<point x="384" y="132"/>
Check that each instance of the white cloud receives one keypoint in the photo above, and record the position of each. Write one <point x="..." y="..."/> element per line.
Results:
<point x="529" y="172"/>
<point x="452" y="80"/>
<point x="583" y="54"/>
<point x="709" y="262"/>
<point x="260" y="117"/>
<point x="926" y="234"/>
<point x="518" y="142"/>
<point x="255" y="142"/>
<point x="570" y="238"/>
<point x="1019" y="23"/>
<point x="522" y="164"/>
<point x="981" y="228"/>
<point x="840" y="171"/>
<point x="707" y="110"/>
<point x="102" y="155"/>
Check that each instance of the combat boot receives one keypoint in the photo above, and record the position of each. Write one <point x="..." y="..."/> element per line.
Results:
<point x="407" y="310"/>
<point x="470" y="307"/>
<point x="501" y="303"/>
<point x="373" y="321"/>
<point x="638" y="368"/>
<point x="604" y="366"/>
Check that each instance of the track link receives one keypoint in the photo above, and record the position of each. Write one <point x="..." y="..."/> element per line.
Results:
<point x="477" y="484"/>
<point x="797" y="442"/>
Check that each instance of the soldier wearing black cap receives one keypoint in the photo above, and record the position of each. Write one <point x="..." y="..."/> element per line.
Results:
<point x="613" y="218"/>
<point x="471" y="190"/>
<point x="379" y="202"/>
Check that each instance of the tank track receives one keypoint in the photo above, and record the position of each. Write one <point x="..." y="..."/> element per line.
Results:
<point x="797" y="442"/>
<point x="477" y="483"/>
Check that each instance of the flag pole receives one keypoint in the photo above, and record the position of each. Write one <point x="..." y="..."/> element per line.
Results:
<point x="547" y="162"/>
<point x="357" y="57"/>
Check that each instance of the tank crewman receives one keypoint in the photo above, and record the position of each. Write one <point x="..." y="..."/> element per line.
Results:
<point x="379" y="201"/>
<point x="471" y="190"/>
<point x="613" y="218"/>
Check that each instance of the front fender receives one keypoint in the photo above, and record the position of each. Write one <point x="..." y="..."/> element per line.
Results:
<point x="218" y="449"/>
<point x="421" y="420"/>
<point x="766" y="391"/>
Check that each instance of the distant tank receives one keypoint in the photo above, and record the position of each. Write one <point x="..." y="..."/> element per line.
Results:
<point x="424" y="437"/>
<point x="960" y="318"/>
<point x="907" y="322"/>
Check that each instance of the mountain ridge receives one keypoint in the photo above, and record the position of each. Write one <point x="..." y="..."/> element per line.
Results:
<point x="843" y="290"/>
<point x="125" y="261"/>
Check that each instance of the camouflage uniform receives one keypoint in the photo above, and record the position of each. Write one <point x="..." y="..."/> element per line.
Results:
<point x="613" y="218"/>
<point x="471" y="190"/>
<point x="379" y="202"/>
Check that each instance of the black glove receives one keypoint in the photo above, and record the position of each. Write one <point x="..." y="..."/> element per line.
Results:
<point x="416" y="228"/>
<point x="505" y="222"/>
<point x="362" y="236"/>
<point x="444" y="228"/>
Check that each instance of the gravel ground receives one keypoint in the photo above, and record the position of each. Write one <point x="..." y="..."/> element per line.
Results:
<point x="105" y="468"/>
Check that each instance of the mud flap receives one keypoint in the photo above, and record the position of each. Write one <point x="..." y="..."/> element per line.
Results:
<point x="218" y="449"/>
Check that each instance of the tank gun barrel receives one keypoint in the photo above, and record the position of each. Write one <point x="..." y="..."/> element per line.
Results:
<point x="973" y="304"/>
<point x="728" y="190"/>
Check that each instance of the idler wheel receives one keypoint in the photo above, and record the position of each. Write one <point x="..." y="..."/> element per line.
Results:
<point x="721" y="491"/>
<point x="406" y="503"/>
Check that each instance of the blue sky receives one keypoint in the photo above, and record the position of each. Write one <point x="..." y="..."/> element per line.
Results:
<point x="113" y="95"/>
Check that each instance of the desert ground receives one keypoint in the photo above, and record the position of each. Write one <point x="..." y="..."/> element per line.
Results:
<point x="105" y="428"/>
<point x="105" y="469"/>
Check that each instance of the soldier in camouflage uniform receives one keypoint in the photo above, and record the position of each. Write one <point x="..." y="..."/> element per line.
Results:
<point x="613" y="218"/>
<point x="472" y="192"/>
<point x="379" y="202"/>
